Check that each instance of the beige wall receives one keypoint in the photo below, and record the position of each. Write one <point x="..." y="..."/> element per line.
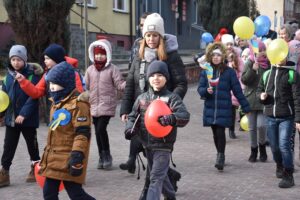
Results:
<point x="104" y="17"/>
<point x="267" y="7"/>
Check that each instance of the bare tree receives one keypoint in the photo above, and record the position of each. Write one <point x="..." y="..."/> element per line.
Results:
<point x="37" y="23"/>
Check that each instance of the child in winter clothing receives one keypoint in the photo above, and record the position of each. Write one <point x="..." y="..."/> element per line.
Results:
<point x="279" y="91"/>
<point x="235" y="62"/>
<point x="21" y="116"/>
<point x="217" y="107"/>
<point x="157" y="148"/>
<point x="103" y="79"/>
<point x="66" y="153"/>
<point x="53" y="55"/>
<point x="254" y="68"/>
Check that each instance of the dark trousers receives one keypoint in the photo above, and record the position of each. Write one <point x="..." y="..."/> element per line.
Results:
<point x="11" y="140"/>
<point x="219" y="138"/>
<point x="135" y="147"/>
<point x="233" y="110"/>
<point x="74" y="190"/>
<point x="100" y="124"/>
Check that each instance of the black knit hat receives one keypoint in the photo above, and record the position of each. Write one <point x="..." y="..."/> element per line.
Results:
<point x="62" y="74"/>
<point x="158" y="67"/>
<point x="55" y="52"/>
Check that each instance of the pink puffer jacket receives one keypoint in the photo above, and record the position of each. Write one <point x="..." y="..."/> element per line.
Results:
<point x="103" y="85"/>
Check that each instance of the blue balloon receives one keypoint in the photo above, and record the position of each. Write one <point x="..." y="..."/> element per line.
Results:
<point x="207" y="37"/>
<point x="262" y="25"/>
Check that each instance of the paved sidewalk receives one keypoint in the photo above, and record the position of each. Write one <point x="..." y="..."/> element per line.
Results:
<point x="194" y="156"/>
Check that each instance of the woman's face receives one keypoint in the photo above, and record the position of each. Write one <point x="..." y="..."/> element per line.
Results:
<point x="152" y="39"/>
<point x="216" y="58"/>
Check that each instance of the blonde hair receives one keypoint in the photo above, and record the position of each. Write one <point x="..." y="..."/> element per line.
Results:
<point x="161" y="50"/>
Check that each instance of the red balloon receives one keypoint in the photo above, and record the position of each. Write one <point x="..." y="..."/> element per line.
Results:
<point x="41" y="179"/>
<point x="156" y="109"/>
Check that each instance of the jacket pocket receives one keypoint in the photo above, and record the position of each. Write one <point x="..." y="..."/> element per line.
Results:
<point x="58" y="160"/>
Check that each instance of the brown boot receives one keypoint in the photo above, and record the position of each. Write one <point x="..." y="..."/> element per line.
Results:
<point x="4" y="178"/>
<point x="31" y="177"/>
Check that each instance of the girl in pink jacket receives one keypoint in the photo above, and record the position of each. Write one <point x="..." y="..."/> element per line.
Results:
<point x="103" y="79"/>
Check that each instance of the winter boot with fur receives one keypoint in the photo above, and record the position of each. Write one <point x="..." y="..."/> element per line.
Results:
<point x="31" y="177"/>
<point x="4" y="178"/>
<point x="253" y="155"/>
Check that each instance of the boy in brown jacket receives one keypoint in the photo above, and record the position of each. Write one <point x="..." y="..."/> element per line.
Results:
<point x="67" y="149"/>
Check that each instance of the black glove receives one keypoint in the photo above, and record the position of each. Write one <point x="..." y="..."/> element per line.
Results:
<point x="76" y="163"/>
<point x="167" y="120"/>
<point x="129" y="133"/>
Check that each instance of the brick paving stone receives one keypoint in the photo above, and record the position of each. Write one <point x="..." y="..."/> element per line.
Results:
<point x="194" y="156"/>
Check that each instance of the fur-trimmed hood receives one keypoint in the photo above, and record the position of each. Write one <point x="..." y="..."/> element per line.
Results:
<point x="213" y="46"/>
<point x="107" y="46"/>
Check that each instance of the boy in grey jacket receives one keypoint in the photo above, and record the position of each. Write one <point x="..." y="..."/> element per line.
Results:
<point x="157" y="148"/>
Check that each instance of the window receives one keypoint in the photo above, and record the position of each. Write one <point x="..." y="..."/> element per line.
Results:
<point x="90" y="3"/>
<point x="120" y="5"/>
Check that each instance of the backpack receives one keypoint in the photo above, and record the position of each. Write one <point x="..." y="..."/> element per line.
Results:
<point x="291" y="76"/>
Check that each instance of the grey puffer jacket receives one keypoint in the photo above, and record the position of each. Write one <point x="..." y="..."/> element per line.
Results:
<point x="140" y="106"/>
<point x="176" y="84"/>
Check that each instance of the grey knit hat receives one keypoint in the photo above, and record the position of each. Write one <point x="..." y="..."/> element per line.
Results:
<point x="19" y="51"/>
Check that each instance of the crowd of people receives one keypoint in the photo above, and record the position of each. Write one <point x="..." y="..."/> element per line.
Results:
<point x="235" y="79"/>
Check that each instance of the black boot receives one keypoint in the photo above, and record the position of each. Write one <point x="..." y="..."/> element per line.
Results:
<point x="232" y="134"/>
<point x="220" y="161"/>
<point x="279" y="170"/>
<point x="174" y="176"/>
<point x="145" y="189"/>
<point x="107" y="161"/>
<point x="101" y="160"/>
<point x="287" y="179"/>
<point x="262" y="153"/>
<point x="253" y="155"/>
<point x="129" y="165"/>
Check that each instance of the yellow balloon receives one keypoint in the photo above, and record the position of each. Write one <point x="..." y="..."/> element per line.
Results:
<point x="244" y="27"/>
<point x="4" y="101"/>
<point x="277" y="51"/>
<point x="244" y="123"/>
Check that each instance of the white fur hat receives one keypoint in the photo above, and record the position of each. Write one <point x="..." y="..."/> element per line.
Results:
<point x="227" y="38"/>
<point x="155" y="23"/>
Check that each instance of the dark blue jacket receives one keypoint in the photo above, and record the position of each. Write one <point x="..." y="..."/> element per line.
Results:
<point x="19" y="102"/>
<point x="217" y="106"/>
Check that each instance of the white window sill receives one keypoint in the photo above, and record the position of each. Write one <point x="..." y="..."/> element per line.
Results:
<point x="120" y="11"/>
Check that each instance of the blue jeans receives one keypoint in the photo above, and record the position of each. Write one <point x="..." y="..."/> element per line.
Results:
<point x="74" y="190"/>
<point x="280" y="131"/>
<point x="158" y="163"/>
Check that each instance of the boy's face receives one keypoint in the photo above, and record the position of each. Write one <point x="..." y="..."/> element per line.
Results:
<point x="17" y="63"/>
<point x="152" y="39"/>
<point x="157" y="81"/>
<point x="49" y="62"/>
<point x="100" y="57"/>
<point x="54" y="87"/>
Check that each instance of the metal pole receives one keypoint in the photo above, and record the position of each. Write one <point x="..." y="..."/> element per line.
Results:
<point x="86" y="34"/>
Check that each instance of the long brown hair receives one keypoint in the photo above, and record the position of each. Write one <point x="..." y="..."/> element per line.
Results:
<point x="161" y="50"/>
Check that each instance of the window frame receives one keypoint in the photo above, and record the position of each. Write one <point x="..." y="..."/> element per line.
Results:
<point x="124" y="10"/>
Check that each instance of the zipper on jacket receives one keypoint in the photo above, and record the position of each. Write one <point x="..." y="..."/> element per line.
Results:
<point x="274" y="93"/>
<point x="216" y="101"/>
